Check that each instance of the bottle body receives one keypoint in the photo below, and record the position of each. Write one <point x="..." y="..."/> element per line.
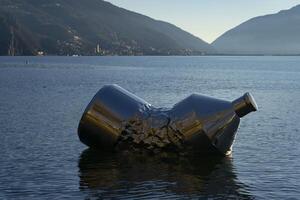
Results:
<point x="116" y="119"/>
<point x="102" y="121"/>
<point x="207" y="124"/>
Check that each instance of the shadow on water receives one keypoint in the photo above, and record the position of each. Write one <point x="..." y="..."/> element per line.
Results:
<point x="118" y="176"/>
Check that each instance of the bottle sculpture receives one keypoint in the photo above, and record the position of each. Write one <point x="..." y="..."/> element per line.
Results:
<point x="116" y="119"/>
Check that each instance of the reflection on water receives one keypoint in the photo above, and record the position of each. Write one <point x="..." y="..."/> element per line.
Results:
<point x="117" y="176"/>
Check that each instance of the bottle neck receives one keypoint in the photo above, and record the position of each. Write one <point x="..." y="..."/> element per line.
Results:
<point x="244" y="105"/>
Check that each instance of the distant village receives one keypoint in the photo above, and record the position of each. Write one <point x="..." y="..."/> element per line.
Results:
<point x="117" y="50"/>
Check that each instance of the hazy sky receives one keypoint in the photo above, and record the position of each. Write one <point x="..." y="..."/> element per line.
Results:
<point x="206" y="19"/>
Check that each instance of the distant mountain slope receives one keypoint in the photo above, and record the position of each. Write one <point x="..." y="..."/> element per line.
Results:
<point x="271" y="34"/>
<point x="88" y="27"/>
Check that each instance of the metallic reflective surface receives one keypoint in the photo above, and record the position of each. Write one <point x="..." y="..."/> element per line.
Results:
<point x="116" y="119"/>
<point x="244" y="105"/>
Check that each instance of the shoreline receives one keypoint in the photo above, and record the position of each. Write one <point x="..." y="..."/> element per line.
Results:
<point x="206" y="55"/>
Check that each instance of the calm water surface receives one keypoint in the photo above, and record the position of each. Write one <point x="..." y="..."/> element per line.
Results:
<point x="42" y="99"/>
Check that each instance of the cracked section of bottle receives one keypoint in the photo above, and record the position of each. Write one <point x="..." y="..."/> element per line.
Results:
<point x="117" y="120"/>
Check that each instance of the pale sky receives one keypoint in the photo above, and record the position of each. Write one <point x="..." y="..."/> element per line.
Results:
<point x="206" y="19"/>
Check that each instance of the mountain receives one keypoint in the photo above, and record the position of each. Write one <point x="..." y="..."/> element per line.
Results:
<point x="88" y="27"/>
<point x="270" y="34"/>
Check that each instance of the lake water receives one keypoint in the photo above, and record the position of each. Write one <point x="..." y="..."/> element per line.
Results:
<point x="42" y="100"/>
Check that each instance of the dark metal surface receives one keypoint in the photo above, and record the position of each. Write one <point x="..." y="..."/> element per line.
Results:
<point x="115" y="119"/>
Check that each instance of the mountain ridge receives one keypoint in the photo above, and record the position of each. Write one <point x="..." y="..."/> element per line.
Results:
<point x="272" y="34"/>
<point x="94" y="27"/>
